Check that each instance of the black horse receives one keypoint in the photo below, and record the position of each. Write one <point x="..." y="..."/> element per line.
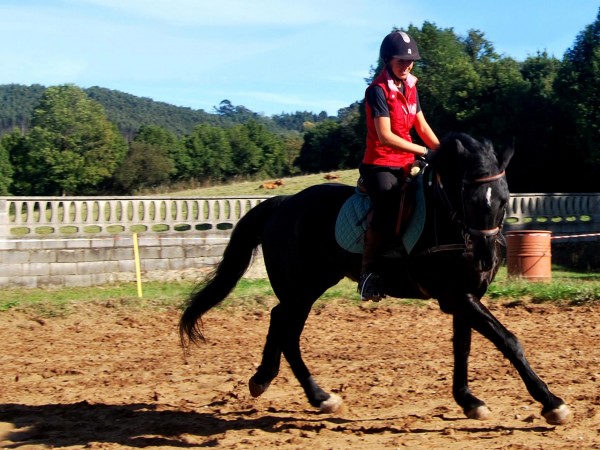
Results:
<point x="454" y="260"/>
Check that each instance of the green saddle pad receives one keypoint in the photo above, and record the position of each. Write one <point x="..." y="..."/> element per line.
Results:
<point x="351" y="222"/>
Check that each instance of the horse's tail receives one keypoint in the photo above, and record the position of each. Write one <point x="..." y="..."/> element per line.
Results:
<point x="237" y="256"/>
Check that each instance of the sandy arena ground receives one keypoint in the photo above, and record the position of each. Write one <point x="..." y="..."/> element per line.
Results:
<point x="110" y="377"/>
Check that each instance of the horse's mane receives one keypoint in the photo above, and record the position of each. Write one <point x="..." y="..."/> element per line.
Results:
<point x="461" y="153"/>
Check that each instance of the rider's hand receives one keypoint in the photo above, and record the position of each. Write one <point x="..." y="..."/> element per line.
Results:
<point x="427" y="155"/>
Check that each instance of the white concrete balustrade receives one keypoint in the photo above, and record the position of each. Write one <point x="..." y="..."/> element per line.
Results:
<point x="28" y="217"/>
<point x="80" y="216"/>
<point x="560" y="213"/>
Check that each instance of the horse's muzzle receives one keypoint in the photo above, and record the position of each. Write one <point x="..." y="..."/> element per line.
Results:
<point x="485" y="251"/>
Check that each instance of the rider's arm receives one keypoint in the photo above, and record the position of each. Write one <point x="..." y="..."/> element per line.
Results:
<point x="387" y="137"/>
<point x="425" y="132"/>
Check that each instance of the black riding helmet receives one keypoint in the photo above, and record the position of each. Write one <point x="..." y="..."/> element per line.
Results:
<point x="398" y="44"/>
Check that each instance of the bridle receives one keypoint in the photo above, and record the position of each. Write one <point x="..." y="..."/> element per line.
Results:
<point x="477" y="181"/>
<point x="467" y="231"/>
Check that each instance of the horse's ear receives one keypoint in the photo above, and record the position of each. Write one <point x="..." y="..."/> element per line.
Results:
<point x="505" y="157"/>
<point x="460" y="148"/>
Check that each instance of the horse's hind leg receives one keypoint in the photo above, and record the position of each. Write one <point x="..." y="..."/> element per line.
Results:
<point x="271" y="359"/>
<point x="477" y="316"/>
<point x="287" y="324"/>
<point x="295" y="319"/>
<point x="471" y="405"/>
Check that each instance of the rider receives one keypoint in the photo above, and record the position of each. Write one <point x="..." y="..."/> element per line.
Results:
<point x="392" y="110"/>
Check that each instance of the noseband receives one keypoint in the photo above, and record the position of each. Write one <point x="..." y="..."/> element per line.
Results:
<point x="477" y="232"/>
<point x="485" y="179"/>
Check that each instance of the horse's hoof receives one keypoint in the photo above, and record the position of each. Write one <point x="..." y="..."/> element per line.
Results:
<point x="257" y="389"/>
<point x="558" y="416"/>
<point x="479" y="413"/>
<point x="332" y="404"/>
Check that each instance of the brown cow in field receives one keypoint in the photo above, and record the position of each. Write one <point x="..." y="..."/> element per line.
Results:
<point x="271" y="184"/>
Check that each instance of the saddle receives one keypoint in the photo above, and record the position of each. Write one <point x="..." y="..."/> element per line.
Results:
<point x="355" y="214"/>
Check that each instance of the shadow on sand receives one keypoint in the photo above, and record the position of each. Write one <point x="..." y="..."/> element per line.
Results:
<point x="142" y="425"/>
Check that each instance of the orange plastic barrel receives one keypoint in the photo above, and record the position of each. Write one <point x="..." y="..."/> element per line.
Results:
<point x="529" y="254"/>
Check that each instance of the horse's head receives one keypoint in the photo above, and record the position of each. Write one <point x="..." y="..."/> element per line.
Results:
<point x="474" y="178"/>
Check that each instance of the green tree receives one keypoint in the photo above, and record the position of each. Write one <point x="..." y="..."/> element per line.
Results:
<point x="14" y="145"/>
<point x="71" y="147"/>
<point x="540" y="71"/>
<point x="292" y="144"/>
<point x="208" y="154"/>
<point x="535" y="129"/>
<point x="500" y="100"/>
<point x="145" y="166"/>
<point x="6" y="170"/>
<point x="353" y="134"/>
<point x="578" y="90"/>
<point x="257" y="151"/>
<point x="322" y="150"/>
<point x="246" y="154"/>
<point x="296" y="121"/>
<point x="270" y="148"/>
<point x="230" y="113"/>
<point x="168" y="143"/>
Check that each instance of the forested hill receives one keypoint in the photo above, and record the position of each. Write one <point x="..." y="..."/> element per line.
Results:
<point x="130" y="112"/>
<point x="16" y="105"/>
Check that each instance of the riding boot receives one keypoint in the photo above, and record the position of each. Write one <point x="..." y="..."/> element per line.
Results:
<point x="370" y="284"/>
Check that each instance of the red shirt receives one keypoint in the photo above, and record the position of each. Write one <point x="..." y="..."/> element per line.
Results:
<point x="403" y="113"/>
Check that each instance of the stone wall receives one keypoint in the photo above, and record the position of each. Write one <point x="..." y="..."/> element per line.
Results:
<point x="34" y="263"/>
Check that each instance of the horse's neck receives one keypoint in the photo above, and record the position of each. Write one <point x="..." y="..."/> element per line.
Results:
<point x="449" y="186"/>
<point x="445" y="205"/>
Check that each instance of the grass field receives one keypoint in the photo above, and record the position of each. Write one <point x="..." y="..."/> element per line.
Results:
<point x="290" y="185"/>
<point x="566" y="287"/>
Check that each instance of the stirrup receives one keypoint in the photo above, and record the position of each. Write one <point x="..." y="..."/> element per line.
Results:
<point x="370" y="287"/>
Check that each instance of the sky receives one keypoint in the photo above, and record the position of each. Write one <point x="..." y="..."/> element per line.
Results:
<point x="271" y="56"/>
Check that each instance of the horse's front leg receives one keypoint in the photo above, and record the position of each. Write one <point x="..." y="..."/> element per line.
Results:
<point x="478" y="317"/>
<point x="461" y="340"/>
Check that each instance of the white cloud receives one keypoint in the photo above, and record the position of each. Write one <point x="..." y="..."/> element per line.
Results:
<point x="233" y="13"/>
<point x="46" y="70"/>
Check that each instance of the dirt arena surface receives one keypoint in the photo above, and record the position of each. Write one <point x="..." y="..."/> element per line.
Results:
<point x="108" y="377"/>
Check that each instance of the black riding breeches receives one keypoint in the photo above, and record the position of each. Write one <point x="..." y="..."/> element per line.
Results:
<point x="383" y="187"/>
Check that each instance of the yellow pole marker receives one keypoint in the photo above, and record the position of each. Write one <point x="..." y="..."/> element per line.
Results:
<point x="138" y="269"/>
